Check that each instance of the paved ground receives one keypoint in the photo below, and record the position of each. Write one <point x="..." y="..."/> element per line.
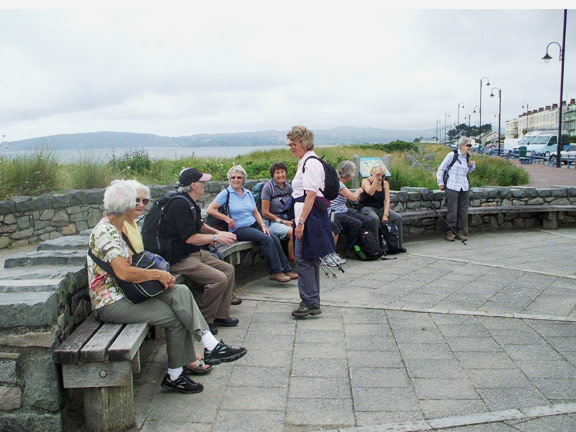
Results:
<point x="543" y="175"/>
<point x="476" y="338"/>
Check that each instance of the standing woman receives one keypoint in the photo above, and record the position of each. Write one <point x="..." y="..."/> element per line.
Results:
<point x="375" y="201"/>
<point x="313" y="235"/>
<point x="245" y="221"/>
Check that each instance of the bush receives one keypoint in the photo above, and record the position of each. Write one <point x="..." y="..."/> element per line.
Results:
<point x="90" y="174"/>
<point x="33" y="174"/>
<point x="133" y="161"/>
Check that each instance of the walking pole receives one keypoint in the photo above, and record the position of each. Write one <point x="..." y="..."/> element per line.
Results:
<point x="431" y="207"/>
<point x="327" y="270"/>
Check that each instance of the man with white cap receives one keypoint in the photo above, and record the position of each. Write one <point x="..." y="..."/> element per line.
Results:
<point x="187" y="233"/>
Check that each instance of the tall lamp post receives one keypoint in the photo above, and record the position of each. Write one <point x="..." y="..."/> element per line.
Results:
<point x="446" y="115"/>
<point x="460" y="105"/>
<point x="547" y="58"/>
<point x="468" y="116"/>
<point x="437" y="123"/>
<point x="499" y="112"/>
<point x="480" y="107"/>
<point x="527" y="114"/>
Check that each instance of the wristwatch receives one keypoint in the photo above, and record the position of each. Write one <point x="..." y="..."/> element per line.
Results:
<point x="214" y="238"/>
<point x="300" y="222"/>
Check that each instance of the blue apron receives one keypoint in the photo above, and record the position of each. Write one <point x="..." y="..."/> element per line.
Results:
<point x="318" y="240"/>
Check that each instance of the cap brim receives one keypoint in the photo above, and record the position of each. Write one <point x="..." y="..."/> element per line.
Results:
<point x="205" y="177"/>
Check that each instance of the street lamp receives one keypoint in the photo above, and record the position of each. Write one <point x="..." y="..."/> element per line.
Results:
<point x="525" y="105"/>
<point x="547" y="58"/>
<point x="480" y="107"/>
<point x="460" y="104"/>
<point x="437" y="123"/>
<point x="468" y="116"/>
<point x="499" y="112"/>
<point x="446" y="115"/>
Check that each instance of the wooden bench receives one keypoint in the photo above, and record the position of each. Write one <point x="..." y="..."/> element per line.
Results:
<point x="237" y="251"/>
<point x="550" y="221"/>
<point x="99" y="358"/>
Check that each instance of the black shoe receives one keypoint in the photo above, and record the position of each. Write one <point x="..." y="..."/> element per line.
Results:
<point x="226" y="322"/>
<point x="402" y="250"/>
<point x="182" y="384"/>
<point x="223" y="353"/>
<point x="213" y="328"/>
<point x="304" y="311"/>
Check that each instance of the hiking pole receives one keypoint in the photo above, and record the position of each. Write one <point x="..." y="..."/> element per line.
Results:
<point x="327" y="270"/>
<point x="431" y="207"/>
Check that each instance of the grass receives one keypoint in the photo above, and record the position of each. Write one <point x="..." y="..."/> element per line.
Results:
<point x="411" y="165"/>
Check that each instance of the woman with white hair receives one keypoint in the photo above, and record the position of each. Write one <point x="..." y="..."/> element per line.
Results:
<point x="174" y="308"/>
<point x="245" y="221"/>
<point x="375" y="202"/>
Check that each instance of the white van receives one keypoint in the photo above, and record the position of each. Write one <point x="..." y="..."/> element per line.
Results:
<point x="542" y="142"/>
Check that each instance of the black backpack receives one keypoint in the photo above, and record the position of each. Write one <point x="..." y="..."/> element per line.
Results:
<point x="153" y="227"/>
<point x="454" y="159"/>
<point x="331" y="180"/>
<point x="369" y="247"/>
<point x="391" y="236"/>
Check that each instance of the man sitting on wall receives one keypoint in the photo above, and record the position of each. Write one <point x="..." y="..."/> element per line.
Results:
<point x="187" y="233"/>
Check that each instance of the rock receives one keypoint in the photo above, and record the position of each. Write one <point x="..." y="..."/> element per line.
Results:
<point x="42" y="339"/>
<point x="47" y="214"/>
<point x="9" y="219"/>
<point x="10" y="399"/>
<point x="19" y="235"/>
<point x="29" y="285"/>
<point x="4" y="242"/>
<point x="67" y="242"/>
<point x="41" y="383"/>
<point x="38" y="258"/>
<point x="60" y="219"/>
<point x="69" y="229"/>
<point x="28" y="309"/>
<point x="8" y="371"/>
<point x="30" y="422"/>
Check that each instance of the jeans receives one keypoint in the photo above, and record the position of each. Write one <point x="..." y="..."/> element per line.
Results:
<point x="270" y="247"/>
<point x="353" y="223"/>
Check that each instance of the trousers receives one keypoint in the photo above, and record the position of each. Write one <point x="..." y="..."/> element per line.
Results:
<point x="457" y="209"/>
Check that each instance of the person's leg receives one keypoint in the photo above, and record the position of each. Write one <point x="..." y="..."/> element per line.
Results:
<point x="396" y="219"/>
<point x="374" y="220"/>
<point x="215" y="283"/>
<point x="352" y="226"/>
<point x="228" y="270"/>
<point x="451" y="208"/>
<point x="462" y="223"/>
<point x="267" y="246"/>
<point x="283" y="232"/>
<point x="308" y="277"/>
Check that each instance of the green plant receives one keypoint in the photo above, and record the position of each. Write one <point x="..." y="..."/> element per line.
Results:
<point x="90" y="173"/>
<point x="133" y="161"/>
<point x="31" y="174"/>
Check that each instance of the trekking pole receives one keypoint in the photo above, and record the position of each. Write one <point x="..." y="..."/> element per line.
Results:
<point x="431" y="207"/>
<point x="327" y="270"/>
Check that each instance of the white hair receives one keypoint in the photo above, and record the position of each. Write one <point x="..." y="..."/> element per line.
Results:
<point x="235" y="169"/>
<point x="464" y="140"/>
<point x="139" y="187"/>
<point x="119" y="197"/>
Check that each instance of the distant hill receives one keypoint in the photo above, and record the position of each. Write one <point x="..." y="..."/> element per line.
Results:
<point x="94" y="140"/>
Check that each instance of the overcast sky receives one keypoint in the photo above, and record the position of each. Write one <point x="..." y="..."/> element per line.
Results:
<point x="254" y="65"/>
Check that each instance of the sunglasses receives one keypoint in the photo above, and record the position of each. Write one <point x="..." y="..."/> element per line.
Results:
<point x="236" y="177"/>
<point x="145" y="201"/>
<point x="468" y="145"/>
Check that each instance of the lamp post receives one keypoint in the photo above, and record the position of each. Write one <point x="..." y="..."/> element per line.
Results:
<point x="547" y="58"/>
<point x="460" y="104"/>
<point x="499" y="111"/>
<point x="527" y="114"/>
<point x="446" y="115"/>
<point x="480" y="107"/>
<point x="437" y="123"/>
<point x="468" y="116"/>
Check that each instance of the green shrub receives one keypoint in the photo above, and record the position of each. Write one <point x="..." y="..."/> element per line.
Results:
<point x="32" y="174"/>
<point x="133" y="161"/>
<point x="90" y="174"/>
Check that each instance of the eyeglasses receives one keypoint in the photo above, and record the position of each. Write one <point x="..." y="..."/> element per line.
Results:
<point x="292" y="145"/>
<point x="468" y="145"/>
<point x="236" y="177"/>
<point x="145" y="201"/>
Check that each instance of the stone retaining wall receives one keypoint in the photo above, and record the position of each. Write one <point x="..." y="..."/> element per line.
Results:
<point x="25" y="220"/>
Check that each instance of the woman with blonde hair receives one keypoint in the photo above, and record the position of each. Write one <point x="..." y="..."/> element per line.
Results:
<point x="375" y="202"/>
<point x="245" y="221"/>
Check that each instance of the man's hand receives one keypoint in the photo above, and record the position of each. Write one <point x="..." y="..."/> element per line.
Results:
<point x="225" y="237"/>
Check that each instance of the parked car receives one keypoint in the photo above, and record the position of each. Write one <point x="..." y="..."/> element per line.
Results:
<point x="569" y="153"/>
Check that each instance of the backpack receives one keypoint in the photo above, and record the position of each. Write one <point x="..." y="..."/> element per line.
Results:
<point x="257" y="194"/>
<point x="153" y="227"/>
<point x="454" y="159"/>
<point x="391" y="237"/>
<point x="367" y="248"/>
<point x="331" y="180"/>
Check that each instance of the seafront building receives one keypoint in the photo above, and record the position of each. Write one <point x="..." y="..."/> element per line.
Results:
<point x="544" y="118"/>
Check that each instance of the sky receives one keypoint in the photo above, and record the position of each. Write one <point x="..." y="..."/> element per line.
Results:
<point x="257" y="65"/>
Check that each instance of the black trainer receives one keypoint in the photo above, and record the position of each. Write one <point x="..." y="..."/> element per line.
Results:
<point x="304" y="311"/>
<point x="223" y="353"/>
<point x="182" y="384"/>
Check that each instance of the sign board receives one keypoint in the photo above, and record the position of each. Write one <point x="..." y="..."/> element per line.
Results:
<point x="366" y="163"/>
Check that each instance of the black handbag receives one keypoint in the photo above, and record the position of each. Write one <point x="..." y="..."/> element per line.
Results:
<point x="137" y="292"/>
<point x="216" y="223"/>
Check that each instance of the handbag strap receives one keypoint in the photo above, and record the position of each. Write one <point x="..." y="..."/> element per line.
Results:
<point x="103" y="265"/>
<point x="125" y="237"/>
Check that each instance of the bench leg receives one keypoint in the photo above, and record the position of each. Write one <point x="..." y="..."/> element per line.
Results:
<point x="550" y="221"/>
<point x="109" y="409"/>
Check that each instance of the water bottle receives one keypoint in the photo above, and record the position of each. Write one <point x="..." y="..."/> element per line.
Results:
<point x="359" y="252"/>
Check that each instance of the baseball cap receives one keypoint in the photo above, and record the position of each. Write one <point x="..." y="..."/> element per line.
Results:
<point x="192" y="175"/>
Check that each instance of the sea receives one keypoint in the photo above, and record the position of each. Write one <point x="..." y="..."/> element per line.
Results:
<point x="105" y="154"/>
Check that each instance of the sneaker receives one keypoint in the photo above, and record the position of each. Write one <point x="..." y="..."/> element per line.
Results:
<point x="304" y="311"/>
<point x="182" y="384"/>
<point x="329" y="261"/>
<point x="462" y="235"/>
<point x="450" y="236"/>
<point x="337" y="259"/>
<point x="223" y="353"/>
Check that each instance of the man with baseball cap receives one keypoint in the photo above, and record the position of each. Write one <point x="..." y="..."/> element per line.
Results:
<point x="187" y="233"/>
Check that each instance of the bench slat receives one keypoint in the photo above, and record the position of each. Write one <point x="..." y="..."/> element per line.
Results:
<point x="69" y="350"/>
<point x="95" y="350"/>
<point x="128" y="343"/>
<point x="88" y="375"/>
